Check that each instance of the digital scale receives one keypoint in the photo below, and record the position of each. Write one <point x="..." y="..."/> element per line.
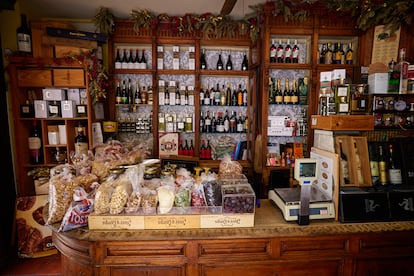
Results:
<point x="306" y="201"/>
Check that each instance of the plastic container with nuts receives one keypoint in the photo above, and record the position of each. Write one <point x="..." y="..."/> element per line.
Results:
<point x="238" y="198"/>
<point x="229" y="179"/>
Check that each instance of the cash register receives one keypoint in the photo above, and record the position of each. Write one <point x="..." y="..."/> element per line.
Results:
<point x="307" y="201"/>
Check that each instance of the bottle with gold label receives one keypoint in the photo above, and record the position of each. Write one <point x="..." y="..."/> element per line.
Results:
<point x="294" y="95"/>
<point x="286" y="93"/>
<point x="383" y="166"/>
<point x="278" y="93"/>
<point x="81" y="142"/>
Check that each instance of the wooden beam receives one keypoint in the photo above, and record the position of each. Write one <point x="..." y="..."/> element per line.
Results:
<point x="227" y="7"/>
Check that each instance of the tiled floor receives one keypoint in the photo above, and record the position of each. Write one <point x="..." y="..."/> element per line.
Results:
<point x="45" y="266"/>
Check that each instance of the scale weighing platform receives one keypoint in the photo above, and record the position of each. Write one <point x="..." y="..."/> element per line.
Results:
<point x="288" y="201"/>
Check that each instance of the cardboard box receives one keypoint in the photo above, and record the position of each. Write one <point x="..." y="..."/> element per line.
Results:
<point x="34" y="238"/>
<point x="168" y="144"/>
<point x="378" y="83"/>
<point x="40" y="108"/>
<point x="68" y="109"/>
<point x="62" y="134"/>
<point x="53" y="94"/>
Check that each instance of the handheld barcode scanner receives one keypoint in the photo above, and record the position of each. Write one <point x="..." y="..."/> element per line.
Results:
<point x="306" y="173"/>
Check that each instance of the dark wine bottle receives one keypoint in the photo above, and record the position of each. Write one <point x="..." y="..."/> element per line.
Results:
<point x="295" y="52"/>
<point x="203" y="62"/>
<point x="81" y="142"/>
<point x="229" y="63"/>
<point x="118" y="95"/>
<point x="245" y="63"/>
<point x="273" y="51"/>
<point x="118" y="59"/>
<point x="220" y="65"/>
<point x="288" y="52"/>
<point x="35" y="145"/>
<point x="24" y="37"/>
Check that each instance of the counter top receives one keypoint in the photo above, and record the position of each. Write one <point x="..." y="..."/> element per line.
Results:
<point x="269" y="222"/>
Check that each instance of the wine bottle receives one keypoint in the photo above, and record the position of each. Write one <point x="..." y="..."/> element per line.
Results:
<point x="341" y="50"/>
<point x="35" y="145"/>
<point x="295" y="52"/>
<point x="188" y="125"/>
<point x="213" y="123"/>
<point x="118" y="95"/>
<point x="208" y="150"/>
<point x="402" y="66"/>
<point x="201" y="95"/>
<point x="245" y="63"/>
<point x="55" y="109"/>
<point x="143" y="62"/>
<point x="124" y="61"/>
<point x="373" y="163"/>
<point x="131" y="59"/>
<point x="180" y="148"/>
<point x="294" y="94"/>
<point x="328" y="54"/>
<point x="240" y="96"/>
<point x="233" y="122"/>
<point x="202" y="124"/>
<point x="223" y="96"/>
<point x="191" y="148"/>
<point x="228" y="94"/>
<point x="336" y="55"/>
<point x="234" y="98"/>
<point x="207" y="123"/>
<point x="273" y="51"/>
<point x="271" y="96"/>
<point x="137" y="60"/>
<point x="24" y="37"/>
<point x="358" y="166"/>
<point x="203" y="62"/>
<point x="344" y="164"/>
<point x="220" y="65"/>
<point x="394" y="171"/>
<point x="322" y="54"/>
<point x="130" y="93"/>
<point x="117" y="59"/>
<point x="288" y="52"/>
<point x="229" y="63"/>
<point x="124" y="93"/>
<point x="226" y="122"/>
<point x="81" y="142"/>
<point x="286" y="93"/>
<point x="203" y="150"/>
<point x="137" y="95"/>
<point x="383" y="166"/>
<point x="280" y="52"/>
<point x="349" y="56"/>
<point x="240" y="124"/>
<point x="278" y="93"/>
<point x="245" y="97"/>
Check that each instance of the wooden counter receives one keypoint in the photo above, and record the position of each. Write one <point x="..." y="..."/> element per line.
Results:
<point x="271" y="247"/>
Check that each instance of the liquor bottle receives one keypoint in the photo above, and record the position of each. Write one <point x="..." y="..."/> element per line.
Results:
<point x="233" y="122"/>
<point x="166" y="97"/>
<point x="229" y="63"/>
<point x="271" y="97"/>
<point x="239" y="96"/>
<point x="213" y="123"/>
<point x="27" y="109"/>
<point x="226" y="121"/>
<point x="402" y="66"/>
<point x="273" y="51"/>
<point x="349" y="56"/>
<point x="358" y="101"/>
<point x="278" y="93"/>
<point x="24" y="37"/>
<point x="203" y="62"/>
<point x="373" y="163"/>
<point x="280" y="52"/>
<point x="207" y="123"/>
<point x="383" y="166"/>
<point x="177" y="97"/>
<point x="217" y="95"/>
<point x="137" y="60"/>
<point x="223" y="96"/>
<point x="208" y="150"/>
<point x="118" y="94"/>
<point x="219" y="123"/>
<point x="245" y="97"/>
<point x="219" y="65"/>
<point x="124" y="93"/>
<point x="336" y="55"/>
<point x="288" y="52"/>
<point x="201" y="95"/>
<point x="328" y="54"/>
<point x="81" y="142"/>
<point x="286" y="93"/>
<point x="245" y="124"/>
<point x="394" y="171"/>
<point x="117" y="59"/>
<point x="130" y="93"/>
<point x="186" y="148"/>
<point x="240" y="124"/>
<point x="295" y="52"/>
<point x="294" y="94"/>
<point x="228" y="94"/>
<point x="234" y="98"/>
<point x="35" y="145"/>
<point x="358" y="166"/>
<point x="137" y="95"/>
<point x="202" y="124"/>
<point x="245" y="63"/>
<point x="188" y="125"/>
<point x="344" y="164"/>
<point x="131" y="59"/>
<point x="146" y="95"/>
<point x="322" y="54"/>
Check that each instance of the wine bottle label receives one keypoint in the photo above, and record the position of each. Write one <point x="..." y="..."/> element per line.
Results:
<point x="24" y="42"/>
<point x="395" y="176"/>
<point x="81" y="148"/>
<point x="34" y="143"/>
<point x="279" y="99"/>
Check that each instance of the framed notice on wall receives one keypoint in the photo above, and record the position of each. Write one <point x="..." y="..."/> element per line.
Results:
<point x="385" y="45"/>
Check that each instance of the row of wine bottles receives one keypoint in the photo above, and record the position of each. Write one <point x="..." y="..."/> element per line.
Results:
<point x="289" y="95"/>
<point x="223" y="123"/>
<point x="221" y="65"/>
<point x="130" y="59"/>
<point x="126" y="95"/>
<point x="337" y="55"/>
<point x="223" y="96"/>
<point x="284" y="53"/>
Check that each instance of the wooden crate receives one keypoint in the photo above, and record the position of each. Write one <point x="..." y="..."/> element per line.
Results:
<point x="343" y="122"/>
<point x="355" y="147"/>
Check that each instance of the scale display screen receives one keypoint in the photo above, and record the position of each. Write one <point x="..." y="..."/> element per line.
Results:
<point x="307" y="170"/>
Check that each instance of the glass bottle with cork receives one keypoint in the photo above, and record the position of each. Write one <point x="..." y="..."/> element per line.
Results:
<point x="24" y="37"/>
<point x="81" y="141"/>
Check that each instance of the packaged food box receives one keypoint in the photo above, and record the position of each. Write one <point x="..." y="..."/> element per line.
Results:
<point x="238" y="198"/>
